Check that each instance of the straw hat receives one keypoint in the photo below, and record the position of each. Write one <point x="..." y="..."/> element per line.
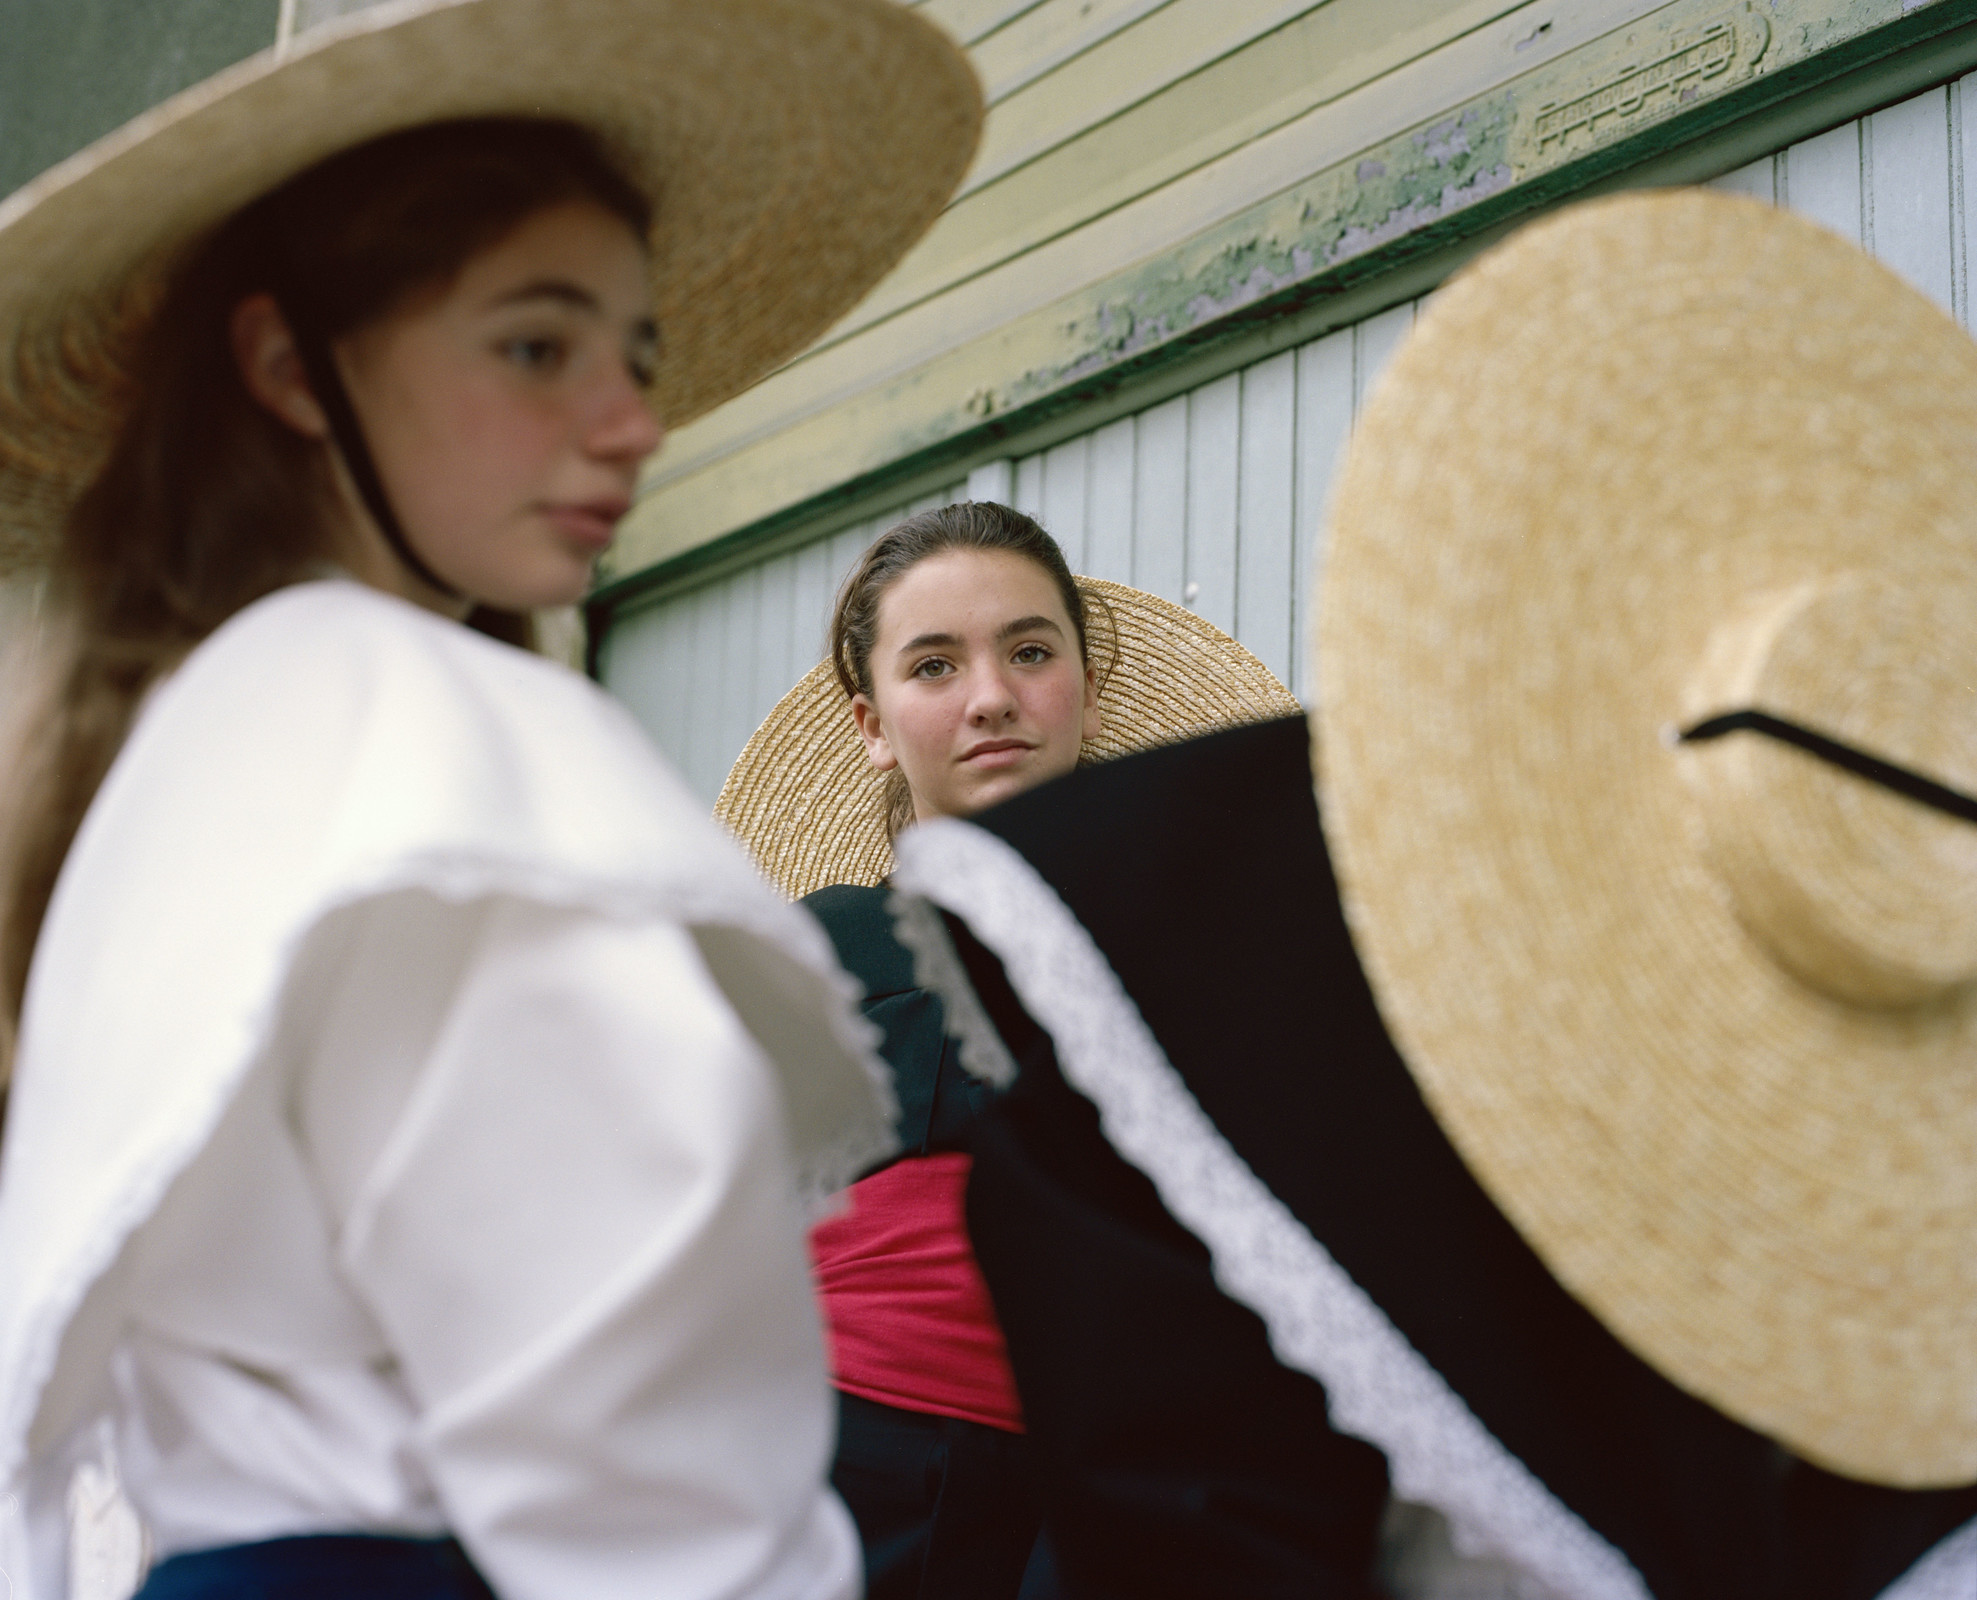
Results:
<point x="1699" y="1015"/>
<point x="795" y="149"/>
<point x="811" y="808"/>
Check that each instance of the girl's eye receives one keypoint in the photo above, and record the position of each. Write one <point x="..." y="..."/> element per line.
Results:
<point x="541" y="355"/>
<point x="1031" y="655"/>
<point x="642" y="360"/>
<point x="932" y="667"/>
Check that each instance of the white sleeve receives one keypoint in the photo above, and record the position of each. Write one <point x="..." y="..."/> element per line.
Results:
<point x="558" y="1166"/>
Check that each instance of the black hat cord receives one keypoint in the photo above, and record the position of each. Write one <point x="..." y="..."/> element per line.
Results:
<point x="326" y="384"/>
<point x="1913" y="785"/>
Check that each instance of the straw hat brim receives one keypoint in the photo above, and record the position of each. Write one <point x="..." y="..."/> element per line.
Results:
<point x="1700" y="1018"/>
<point x="794" y="148"/>
<point x="811" y="808"/>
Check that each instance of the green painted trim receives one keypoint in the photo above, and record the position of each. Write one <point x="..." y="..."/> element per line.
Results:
<point x="1666" y="99"/>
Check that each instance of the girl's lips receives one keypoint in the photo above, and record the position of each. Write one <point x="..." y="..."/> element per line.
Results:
<point x="997" y="753"/>
<point x="592" y="526"/>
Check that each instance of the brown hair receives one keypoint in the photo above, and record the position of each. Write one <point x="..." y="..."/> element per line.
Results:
<point x="206" y="501"/>
<point x="966" y="525"/>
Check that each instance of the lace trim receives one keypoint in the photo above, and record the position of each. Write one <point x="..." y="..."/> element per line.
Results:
<point x="1320" y="1322"/>
<point x="1948" y="1572"/>
<point x="936" y="967"/>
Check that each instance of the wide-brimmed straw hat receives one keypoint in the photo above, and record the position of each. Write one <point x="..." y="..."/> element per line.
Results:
<point x="811" y="808"/>
<point x="794" y="150"/>
<point x="1700" y="1013"/>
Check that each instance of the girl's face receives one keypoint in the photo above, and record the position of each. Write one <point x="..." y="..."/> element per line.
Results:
<point x="505" y="413"/>
<point x="978" y="691"/>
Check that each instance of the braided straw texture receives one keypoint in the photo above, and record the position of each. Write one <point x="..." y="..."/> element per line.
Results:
<point x="1702" y="1019"/>
<point x="811" y="809"/>
<point x="774" y="135"/>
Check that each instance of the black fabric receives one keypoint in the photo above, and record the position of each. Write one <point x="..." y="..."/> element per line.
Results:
<point x="945" y="1508"/>
<point x="321" y="1567"/>
<point x="1200" y="871"/>
<point x="938" y="1099"/>
<point x="1176" y="1458"/>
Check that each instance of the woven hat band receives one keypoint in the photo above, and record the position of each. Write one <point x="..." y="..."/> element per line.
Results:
<point x="1855" y="889"/>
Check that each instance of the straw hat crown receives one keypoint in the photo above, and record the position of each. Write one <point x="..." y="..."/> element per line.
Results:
<point x="795" y="149"/>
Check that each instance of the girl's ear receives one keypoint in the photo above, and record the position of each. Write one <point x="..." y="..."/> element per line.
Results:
<point x="1094" y="724"/>
<point x="878" y="750"/>
<point x="271" y="367"/>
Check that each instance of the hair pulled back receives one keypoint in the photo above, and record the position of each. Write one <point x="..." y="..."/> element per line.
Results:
<point x="965" y="525"/>
<point x="206" y="501"/>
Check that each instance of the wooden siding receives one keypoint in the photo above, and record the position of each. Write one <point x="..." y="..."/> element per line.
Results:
<point x="1215" y="498"/>
<point x="1152" y="174"/>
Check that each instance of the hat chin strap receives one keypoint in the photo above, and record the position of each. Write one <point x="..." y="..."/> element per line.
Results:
<point x="326" y="383"/>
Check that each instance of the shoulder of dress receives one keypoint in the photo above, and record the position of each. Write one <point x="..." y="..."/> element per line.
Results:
<point x="859" y="921"/>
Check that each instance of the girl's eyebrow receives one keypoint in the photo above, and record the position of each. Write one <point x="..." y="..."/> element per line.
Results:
<point x="561" y="290"/>
<point x="949" y="641"/>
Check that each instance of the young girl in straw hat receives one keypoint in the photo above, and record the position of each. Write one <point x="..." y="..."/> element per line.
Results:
<point x="411" y="1093"/>
<point x="974" y="667"/>
<point x="961" y="638"/>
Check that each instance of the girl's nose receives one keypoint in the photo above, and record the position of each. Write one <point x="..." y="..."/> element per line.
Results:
<point x="992" y="700"/>
<point x="623" y="427"/>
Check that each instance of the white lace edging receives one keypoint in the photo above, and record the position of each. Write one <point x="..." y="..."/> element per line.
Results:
<point x="1320" y="1322"/>
<point x="1947" y="1572"/>
<point x="936" y="967"/>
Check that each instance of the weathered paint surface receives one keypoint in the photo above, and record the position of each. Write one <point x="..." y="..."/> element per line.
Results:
<point x="1214" y="496"/>
<point x="1675" y="75"/>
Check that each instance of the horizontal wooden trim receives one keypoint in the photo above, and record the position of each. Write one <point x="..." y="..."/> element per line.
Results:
<point x="1043" y="39"/>
<point x="1693" y="77"/>
<point x="1227" y="102"/>
<point x="971" y="20"/>
<point x="1126" y="235"/>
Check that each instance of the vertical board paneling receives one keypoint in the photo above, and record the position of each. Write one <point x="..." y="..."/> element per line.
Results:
<point x="1822" y="180"/>
<point x="1064" y="498"/>
<point x="1759" y="180"/>
<point x="809" y="604"/>
<point x="1963" y="152"/>
<point x="776" y="665"/>
<point x="992" y="480"/>
<point x="1109" y="503"/>
<point x="1265" y="598"/>
<point x="1908" y="188"/>
<point x="1028" y="495"/>
<point x="1214" y="446"/>
<point x="643" y="661"/>
<point x="1160" y="499"/>
<point x="1377" y="339"/>
<point x="846" y="547"/>
<point x="1324" y="418"/>
<point x="1217" y="498"/>
<point x="704" y="733"/>
<point x="740" y="618"/>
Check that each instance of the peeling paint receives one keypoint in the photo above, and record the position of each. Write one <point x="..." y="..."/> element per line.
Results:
<point x="1671" y="77"/>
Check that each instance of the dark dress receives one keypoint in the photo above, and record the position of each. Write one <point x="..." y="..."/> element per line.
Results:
<point x="1177" y="1455"/>
<point x="945" y="1506"/>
